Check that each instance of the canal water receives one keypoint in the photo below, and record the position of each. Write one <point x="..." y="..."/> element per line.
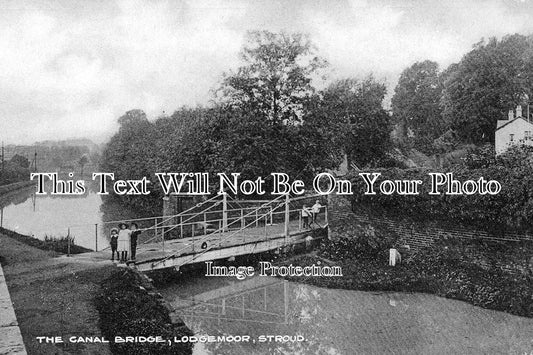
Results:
<point x="85" y="217"/>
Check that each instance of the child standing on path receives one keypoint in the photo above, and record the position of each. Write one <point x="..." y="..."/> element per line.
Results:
<point x="124" y="241"/>
<point x="113" y="241"/>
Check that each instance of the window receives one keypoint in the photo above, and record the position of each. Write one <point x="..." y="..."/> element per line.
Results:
<point x="527" y="135"/>
<point x="511" y="137"/>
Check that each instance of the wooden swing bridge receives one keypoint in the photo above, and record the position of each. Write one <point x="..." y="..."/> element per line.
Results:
<point x="222" y="228"/>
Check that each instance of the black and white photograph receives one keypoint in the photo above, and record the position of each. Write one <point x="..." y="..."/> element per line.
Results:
<point x="212" y="177"/>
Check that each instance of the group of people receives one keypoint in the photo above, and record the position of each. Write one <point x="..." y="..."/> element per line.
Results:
<point x="310" y="215"/>
<point x="123" y="241"/>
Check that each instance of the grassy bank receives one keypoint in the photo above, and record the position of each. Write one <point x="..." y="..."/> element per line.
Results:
<point x="15" y="186"/>
<point x="129" y="306"/>
<point x="53" y="297"/>
<point x="57" y="244"/>
<point x="449" y="269"/>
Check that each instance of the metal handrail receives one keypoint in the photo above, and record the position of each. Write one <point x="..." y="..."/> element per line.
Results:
<point x="221" y="228"/>
<point x="232" y="234"/>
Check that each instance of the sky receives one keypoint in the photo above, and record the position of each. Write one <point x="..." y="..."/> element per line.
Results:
<point x="70" y="68"/>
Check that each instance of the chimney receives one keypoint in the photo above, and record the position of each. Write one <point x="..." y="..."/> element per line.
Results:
<point x="511" y="115"/>
<point x="519" y="111"/>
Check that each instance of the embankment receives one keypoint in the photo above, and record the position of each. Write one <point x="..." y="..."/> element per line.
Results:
<point x="60" y="245"/>
<point x="129" y="306"/>
<point x="53" y="297"/>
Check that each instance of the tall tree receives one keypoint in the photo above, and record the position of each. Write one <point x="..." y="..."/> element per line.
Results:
<point x="360" y="105"/>
<point x="415" y="104"/>
<point x="130" y="153"/>
<point x="276" y="76"/>
<point x="486" y="83"/>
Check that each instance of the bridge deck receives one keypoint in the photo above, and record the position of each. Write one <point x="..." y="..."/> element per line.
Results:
<point x="219" y="245"/>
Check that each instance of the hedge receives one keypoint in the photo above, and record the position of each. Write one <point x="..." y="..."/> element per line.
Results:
<point x="511" y="209"/>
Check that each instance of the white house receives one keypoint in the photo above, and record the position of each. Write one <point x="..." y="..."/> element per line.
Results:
<point x="514" y="130"/>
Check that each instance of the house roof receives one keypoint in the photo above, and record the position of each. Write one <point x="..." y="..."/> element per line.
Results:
<point x="514" y="119"/>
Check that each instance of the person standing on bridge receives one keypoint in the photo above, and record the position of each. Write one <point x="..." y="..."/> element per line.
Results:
<point x="316" y="210"/>
<point x="124" y="243"/>
<point x="135" y="232"/>
<point x="306" y="213"/>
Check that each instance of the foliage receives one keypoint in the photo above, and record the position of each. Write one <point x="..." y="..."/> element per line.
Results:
<point x="486" y="83"/>
<point x="130" y="155"/>
<point x="20" y="161"/>
<point x="13" y="172"/>
<point x="276" y="77"/>
<point x="510" y="209"/>
<point x="415" y="104"/>
<point x="359" y="105"/>
<point x="126" y="308"/>
<point x="480" y="157"/>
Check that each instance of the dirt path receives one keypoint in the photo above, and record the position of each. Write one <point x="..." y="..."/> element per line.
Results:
<point x="53" y="296"/>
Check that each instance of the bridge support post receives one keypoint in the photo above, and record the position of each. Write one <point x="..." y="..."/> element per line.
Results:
<point x="224" y="212"/>
<point x="287" y="215"/>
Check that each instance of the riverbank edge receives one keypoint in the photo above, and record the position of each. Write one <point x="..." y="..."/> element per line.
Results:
<point x="15" y="186"/>
<point x="129" y="305"/>
<point x="403" y="279"/>
<point x="59" y="245"/>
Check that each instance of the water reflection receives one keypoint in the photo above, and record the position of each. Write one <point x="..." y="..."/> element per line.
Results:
<point x="258" y="307"/>
<point x="334" y="321"/>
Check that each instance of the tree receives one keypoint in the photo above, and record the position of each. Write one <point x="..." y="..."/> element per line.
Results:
<point x="415" y="104"/>
<point x="486" y="83"/>
<point x="130" y="154"/>
<point x="276" y="77"/>
<point x="359" y="105"/>
<point x="20" y="161"/>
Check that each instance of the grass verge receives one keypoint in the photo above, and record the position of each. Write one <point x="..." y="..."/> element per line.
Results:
<point x="57" y="244"/>
<point x="128" y="306"/>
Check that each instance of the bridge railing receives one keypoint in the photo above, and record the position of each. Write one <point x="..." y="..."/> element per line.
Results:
<point x="224" y="228"/>
<point x="251" y="218"/>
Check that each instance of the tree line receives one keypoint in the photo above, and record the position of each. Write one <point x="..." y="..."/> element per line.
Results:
<point x="266" y="116"/>
<point x="439" y="110"/>
<point x="272" y="114"/>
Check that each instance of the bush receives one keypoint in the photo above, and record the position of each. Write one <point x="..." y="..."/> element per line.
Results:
<point x="13" y="172"/>
<point x="510" y="209"/>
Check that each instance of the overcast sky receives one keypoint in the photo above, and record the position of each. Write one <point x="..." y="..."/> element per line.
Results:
<point x="70" y="68"/>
